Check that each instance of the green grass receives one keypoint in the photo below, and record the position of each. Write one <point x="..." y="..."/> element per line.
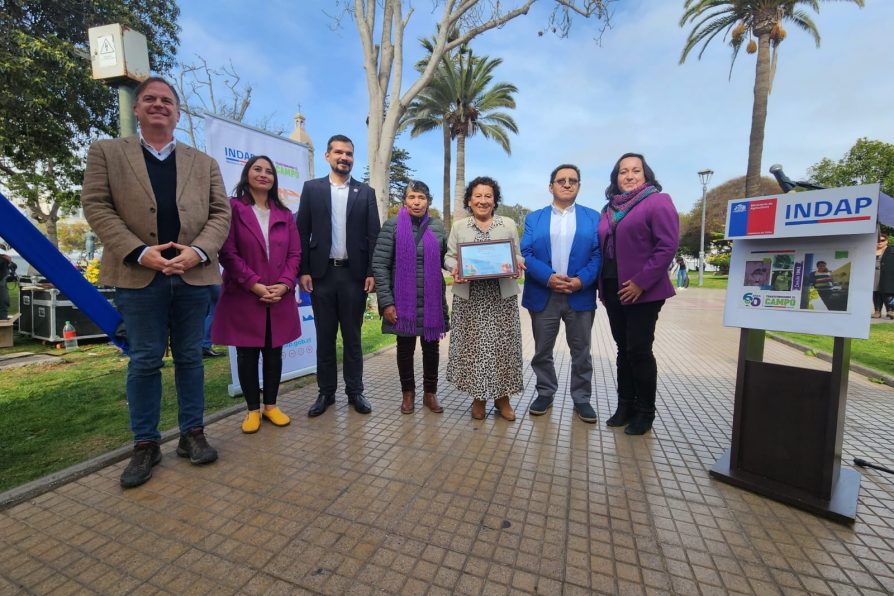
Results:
<point x="877" y="352"/>
<point x="711" y="280"/>
<point x="59" y="414"/>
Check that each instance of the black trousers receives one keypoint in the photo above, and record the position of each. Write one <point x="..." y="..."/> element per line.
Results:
<point x="338" y="303"/>
<point x="247" y="369"/>
<point x="633" y="329"/>
<point x="406" y="350"/>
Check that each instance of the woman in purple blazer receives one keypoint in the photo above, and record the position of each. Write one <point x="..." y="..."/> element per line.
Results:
<point x="257" y="311"/>
<point x="640" y="230"/>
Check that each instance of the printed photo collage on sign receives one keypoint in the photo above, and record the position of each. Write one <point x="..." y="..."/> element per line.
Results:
<point x="794" y="280"/>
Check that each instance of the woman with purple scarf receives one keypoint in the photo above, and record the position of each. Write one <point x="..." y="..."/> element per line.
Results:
<point x="410" y="287"/>
<point x="640" y="230"/>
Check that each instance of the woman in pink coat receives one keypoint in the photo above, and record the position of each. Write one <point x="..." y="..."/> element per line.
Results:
<point x="257" y="311"/>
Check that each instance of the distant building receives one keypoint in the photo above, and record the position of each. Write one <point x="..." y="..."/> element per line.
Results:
<point x="300" y="135"/>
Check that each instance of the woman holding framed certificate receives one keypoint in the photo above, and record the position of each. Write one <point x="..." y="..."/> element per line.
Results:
<point x="410" y="288"/>
<point x="485" y="341"/>
<point x="639" y="229"/>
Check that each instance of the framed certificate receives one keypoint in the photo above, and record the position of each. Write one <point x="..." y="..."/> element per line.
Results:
<point x="486" y="260"/>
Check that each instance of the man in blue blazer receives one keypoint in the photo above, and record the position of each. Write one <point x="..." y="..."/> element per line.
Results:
<point x="338" y="221"/>
<point x="562" y="258"/>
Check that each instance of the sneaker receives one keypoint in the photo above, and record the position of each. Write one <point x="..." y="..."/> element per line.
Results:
<point x="145" y="455"/>
<point x="586" y="412"/>
<point x="194" y="445"/>
<point x="540" y="405"/>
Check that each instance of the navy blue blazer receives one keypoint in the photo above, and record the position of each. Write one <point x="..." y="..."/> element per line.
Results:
<point x="315" y="227"/>
<point x="583" y="262"/>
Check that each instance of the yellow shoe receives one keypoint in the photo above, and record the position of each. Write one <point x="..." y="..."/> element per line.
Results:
<point x="277" y="417"/>
<point x="252" y="422"/>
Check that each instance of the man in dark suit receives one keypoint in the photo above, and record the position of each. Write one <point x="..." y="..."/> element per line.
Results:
<point x="160" y="208"/>
<point x="338" y="220"/>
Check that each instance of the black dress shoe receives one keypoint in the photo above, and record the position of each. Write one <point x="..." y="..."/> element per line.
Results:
<point x="210" y="353"/>
<point x="323" y="402"/>
<point x="360" y="403"/>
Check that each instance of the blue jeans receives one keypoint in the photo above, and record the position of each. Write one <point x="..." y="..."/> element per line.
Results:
<point x="214" y="293"/>
<point x="167" y="306"/>
<point x="681" y="276"/>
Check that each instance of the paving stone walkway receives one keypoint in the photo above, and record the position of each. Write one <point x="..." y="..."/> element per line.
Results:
<point x="438" y="504"/>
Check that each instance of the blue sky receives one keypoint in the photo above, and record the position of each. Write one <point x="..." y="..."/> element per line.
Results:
<point x="578" y="101"/>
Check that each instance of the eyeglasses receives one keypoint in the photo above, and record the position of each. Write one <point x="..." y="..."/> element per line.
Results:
<point x="568" y="181"/>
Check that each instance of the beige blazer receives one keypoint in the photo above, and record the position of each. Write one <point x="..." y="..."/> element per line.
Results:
<point x="464" y="230"/>
<point x="120" y="206"/>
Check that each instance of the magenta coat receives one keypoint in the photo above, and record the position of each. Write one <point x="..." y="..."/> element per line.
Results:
<point x="647" y="242"/>
<point x="240" y="318"/>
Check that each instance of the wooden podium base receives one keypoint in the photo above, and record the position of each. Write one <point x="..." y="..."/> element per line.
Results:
<point x="841" y="507"/>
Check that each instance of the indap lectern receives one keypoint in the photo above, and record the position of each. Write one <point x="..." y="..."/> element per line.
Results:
<point x="801" y="262"/>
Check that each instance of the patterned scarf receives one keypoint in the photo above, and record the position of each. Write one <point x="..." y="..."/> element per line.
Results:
<point x="618" y="207"/>
<point x="405" y="293"/>
<point x="621" y="204"/>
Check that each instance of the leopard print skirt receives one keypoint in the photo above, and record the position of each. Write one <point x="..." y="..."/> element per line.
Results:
<point x="485" y="343"/>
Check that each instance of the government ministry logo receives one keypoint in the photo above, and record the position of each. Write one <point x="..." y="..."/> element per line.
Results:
<point x="751" y="299"/>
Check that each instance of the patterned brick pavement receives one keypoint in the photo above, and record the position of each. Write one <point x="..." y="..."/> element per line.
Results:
<point x="439" y="504"/>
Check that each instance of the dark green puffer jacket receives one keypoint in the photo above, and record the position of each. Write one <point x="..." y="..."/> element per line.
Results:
<point x="383" y="269"/>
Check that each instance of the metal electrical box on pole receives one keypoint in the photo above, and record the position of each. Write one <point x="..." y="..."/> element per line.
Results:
<point x="120" y="56"/>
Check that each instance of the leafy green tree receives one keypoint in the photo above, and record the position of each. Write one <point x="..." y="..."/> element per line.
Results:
<point x="760" y="22"/>
<point x="715" y="214"/>
<point x="867" y="162"/>
<point x="50" y="107"/>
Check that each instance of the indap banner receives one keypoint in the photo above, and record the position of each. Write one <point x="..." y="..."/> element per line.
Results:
<point x="827" y="212"/>
<point x="232" y="144"/>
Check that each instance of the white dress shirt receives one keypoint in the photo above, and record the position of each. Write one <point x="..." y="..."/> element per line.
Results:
<point x="562" y="226"/>
<point x="339" y="248"/>
<point x="263" y="216"/>
<point x="161" y="154"/>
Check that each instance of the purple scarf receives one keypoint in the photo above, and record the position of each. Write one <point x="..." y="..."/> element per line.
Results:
<point x="405" y="279"/>
<point x="619" y="206"/>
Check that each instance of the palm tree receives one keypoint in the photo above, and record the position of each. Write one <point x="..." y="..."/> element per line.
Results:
<point x="759" y="20"/>
<point x="461" y="102"/>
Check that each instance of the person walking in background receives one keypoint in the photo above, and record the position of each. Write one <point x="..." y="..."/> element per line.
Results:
<point x="562" y="258"/>
<point x="260" y="259"/>
<point x="682" y="275"/>
<point x="160" y="209"/>
<point x="407" y="265"/>
<point x="883" y="288"/>
<point x="338" y="219"/>
<point x="639" y="231"/>
<point x="485" y="341"/>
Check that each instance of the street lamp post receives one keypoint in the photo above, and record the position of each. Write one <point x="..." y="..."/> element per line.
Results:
<point x="704" y="177"/>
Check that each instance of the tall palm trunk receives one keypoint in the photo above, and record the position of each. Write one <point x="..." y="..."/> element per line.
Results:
<point x="447" y="212"/>
<point x="758" y="115"/>
<point x="459" y="190"/>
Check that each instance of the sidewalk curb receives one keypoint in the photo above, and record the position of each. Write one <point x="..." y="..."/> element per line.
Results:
<point x="867" y="372"/>
<point x="52" y="481"/>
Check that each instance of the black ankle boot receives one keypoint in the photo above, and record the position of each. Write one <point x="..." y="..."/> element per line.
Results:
<point x="622" y="415"/>
<point x="640" y="424"/>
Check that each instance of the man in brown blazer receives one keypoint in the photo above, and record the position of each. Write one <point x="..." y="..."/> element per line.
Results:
<point x="161" y="211"/>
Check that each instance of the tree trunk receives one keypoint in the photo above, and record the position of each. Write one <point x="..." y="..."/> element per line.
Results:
<point x="758" y="116"/>
<point x="52" y="224"/>
<point x="459" y="189"/>
<point x="447" y="212"/>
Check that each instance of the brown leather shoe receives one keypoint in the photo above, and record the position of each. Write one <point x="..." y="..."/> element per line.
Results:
<point x="505" y="408"/>
<point x="430" y="401"/>
<point x="478" y="409"/>
<point x="408" y="404"/>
